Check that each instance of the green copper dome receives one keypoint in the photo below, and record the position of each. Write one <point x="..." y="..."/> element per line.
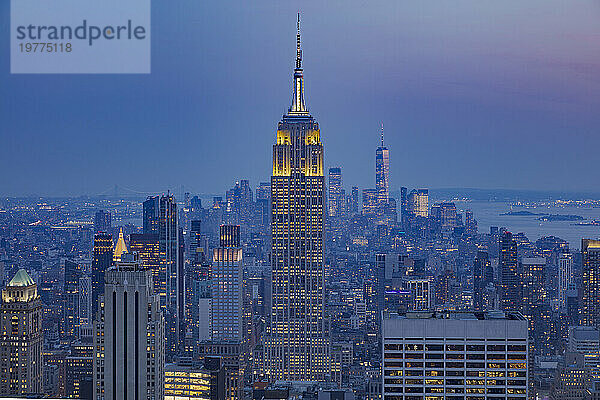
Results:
<point x="21" y="278"/>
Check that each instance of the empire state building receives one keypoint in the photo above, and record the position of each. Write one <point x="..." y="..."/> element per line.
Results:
<point x="297" y="341"/>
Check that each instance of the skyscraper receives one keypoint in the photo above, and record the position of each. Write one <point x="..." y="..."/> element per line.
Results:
<point x="590" y="261"/>
<point x="147" y="246"/>
<point x="335" y="191"/>
<point x="369" y="202"/>
<point x="418" y="203"/>
<point x="482" y="275"/>
<point x="535" y="308"/>
<point x="226" y="277"/>
<point x="565" y="278"/>
<point x="382" y="172"/>
<point x="442" y="355"/>
<point x="160" y="217"/>
<point x="21" y="337"/>
<point x="227" y="282"/>
<point x="354" y="203"/>
<point x="120" y="247"/>
<point x="297" y="343"/>
<point x="510" y="279"/>
<point x="101" y="261"/>
<point x="71" y="299"/>
<point x="102" y="221"/>
<point x="129" y="336"/>
<point x="403" y="204"/>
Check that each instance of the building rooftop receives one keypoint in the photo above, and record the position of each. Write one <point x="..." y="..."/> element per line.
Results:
<point x="458" y="315"/>
<point x="21" y="279"/>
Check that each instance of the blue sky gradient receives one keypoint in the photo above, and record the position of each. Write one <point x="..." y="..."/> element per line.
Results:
<point x="498" y="94"/>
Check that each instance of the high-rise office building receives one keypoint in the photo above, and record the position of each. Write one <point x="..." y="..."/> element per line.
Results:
<point x="585" y="340"/>
<point x="102" y="221"/>
<point x="79" y="370"/>
<point x="510" y="278"/>
<point x="421" y="294"/>
<point x="227" y="279"/>
<point x="335" y="192"/>
<point x="147" y="246"/>
<point x="418" y="203"/>
<point x="21" y="337"/>
<point x="185" y="382"/>
<point x="533" y="284"/>
<point x="85" y="306"/>
<point x="590" y="261"/>
<point x="226" y="304"/>
<point x="482" y="276"/>
<point x="535" y="308"/>
<point x="382" y="172"/>
<point x="354" y="203"/>
<point x="70" y="326"/>
<point x="101" y="261"/>
<point x="297" y="343"/>
<point x="370" y="202"/>
<point x="160" y="217"/>
<point x="151" y="213"/>
<point x="447" y="216"/>
<point x="450" y="355"/>
<point x="403" y="203"/>
<point x="470" y="223"/>
<point x="129" y="336"/>
<point x="565" y="278"/>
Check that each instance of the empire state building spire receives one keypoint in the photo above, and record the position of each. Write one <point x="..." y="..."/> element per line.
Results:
<point x="298" y="106"/>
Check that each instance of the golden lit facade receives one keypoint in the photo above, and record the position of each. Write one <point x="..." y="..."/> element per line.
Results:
<point x="590" y="256"/>
<point x="21" y="337"/>
<point x="183" y="383"/>
<point x="297" y="343"/>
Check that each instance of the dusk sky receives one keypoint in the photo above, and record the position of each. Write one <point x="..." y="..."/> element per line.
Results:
<point x="483" y="94"/>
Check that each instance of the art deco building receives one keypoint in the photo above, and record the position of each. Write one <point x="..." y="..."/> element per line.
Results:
<point x="21" y="337"/>
<point x="120" y="247"/>
<point x="590" y="259"/>
<point x="297" y="343"/>
<point x="129" y="336"/>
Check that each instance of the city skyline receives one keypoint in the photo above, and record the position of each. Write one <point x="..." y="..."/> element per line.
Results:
<point x="337" y="278"/>
<point x="472" y="67"/>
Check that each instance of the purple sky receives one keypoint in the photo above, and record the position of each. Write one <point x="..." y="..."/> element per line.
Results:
<point x="498" y="94"/>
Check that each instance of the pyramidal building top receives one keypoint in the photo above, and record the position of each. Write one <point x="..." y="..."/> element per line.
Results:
<point x="21" y="279"/>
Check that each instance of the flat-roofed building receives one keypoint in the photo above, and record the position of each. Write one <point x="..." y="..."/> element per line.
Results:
<point x="450" y="355"/>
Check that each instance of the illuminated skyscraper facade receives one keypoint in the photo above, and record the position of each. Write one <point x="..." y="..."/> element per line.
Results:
<point x="510" y="279"/>
<point x="21" y="337"/>
<point x="590" y="260"/>
<point x="101" y="261"/>
<point x="418" y="203"/>
<point x="160" y="217"/>
<point x="297" y="343"/>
